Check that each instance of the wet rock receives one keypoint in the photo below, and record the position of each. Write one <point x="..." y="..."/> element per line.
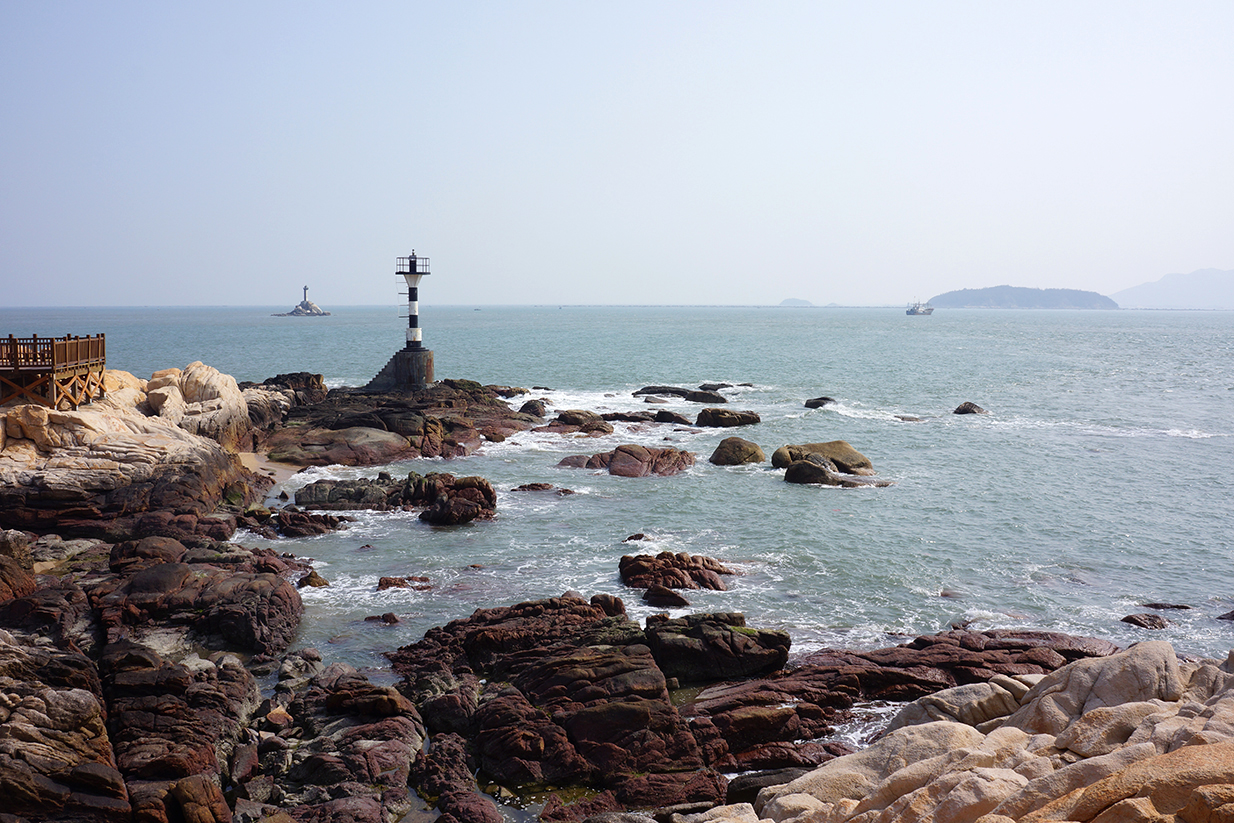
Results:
<point x="845" y="458"/>
<point x="1147" y="620"/>
<point x="535" y="408"/>
<point x="664" y="598"/>
<point x="543" y="487"/>
<point x="819" y="402"/>
<point x="818" y="470"/>
<point x="634" y="461"/>
<point x="351" y="446"/>
<point x="674" y="391"/>
<point x="611" y="605"/>
<point x="734" y="451"/>
<point x="705" y="397"/>
<point x="969" y="407"/>
<point x="447" y="499"/>
<point x="673" y="571"/>
<point x="578" y="421"/>
<point x="745" y="788"/>
<point x="629" y="417"/>
<point x="725" y="418"/>
<point x="665" y="416"/>
<point x="312" y="579"/>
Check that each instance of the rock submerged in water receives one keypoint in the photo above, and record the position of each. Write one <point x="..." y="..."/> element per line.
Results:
<point x="969" y="407"/>
<point x="632" y="460"/>
<point x="817" y="470"/>
<point x="819" y="402"/>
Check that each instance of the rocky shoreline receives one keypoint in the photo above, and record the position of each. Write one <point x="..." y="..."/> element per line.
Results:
<point x="133" y="633"/>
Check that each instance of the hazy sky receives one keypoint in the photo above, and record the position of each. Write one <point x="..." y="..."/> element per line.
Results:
<point x="860" y="153"/>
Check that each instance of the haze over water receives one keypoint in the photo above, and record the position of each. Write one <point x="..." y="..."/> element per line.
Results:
<point x="1100" y="481"/>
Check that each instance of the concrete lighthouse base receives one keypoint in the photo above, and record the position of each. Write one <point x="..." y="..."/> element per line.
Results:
<point x="408" y="369"/>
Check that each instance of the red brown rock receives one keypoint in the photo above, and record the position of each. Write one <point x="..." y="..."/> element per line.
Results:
<point x="634" y="461"/>
<point x="673" y="571"/>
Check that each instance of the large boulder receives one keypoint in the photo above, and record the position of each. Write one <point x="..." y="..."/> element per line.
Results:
<point x="673" y="571"/>
<point x="725" y="418"/>
<point x="734" y="450"/>
<point x="702" y="648"/>
<point x="845" y="457"/>
<point x="229" y="606"/>
<point x="204" y="401"/>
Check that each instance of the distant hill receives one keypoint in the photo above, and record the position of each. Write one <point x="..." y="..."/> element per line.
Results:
<point x="795" y="301"/>
<point x="1017" y="297"/>
<point x="1202" y="289"/>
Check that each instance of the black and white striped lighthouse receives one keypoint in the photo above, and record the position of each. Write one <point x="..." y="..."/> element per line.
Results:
<point x="411" y="367"/>
<point x="412" y="268"/>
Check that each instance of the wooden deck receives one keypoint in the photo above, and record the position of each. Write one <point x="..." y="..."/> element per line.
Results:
<point x="60" y="372"/>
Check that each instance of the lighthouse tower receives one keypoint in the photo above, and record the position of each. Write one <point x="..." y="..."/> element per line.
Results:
<point x="411" y="367"/>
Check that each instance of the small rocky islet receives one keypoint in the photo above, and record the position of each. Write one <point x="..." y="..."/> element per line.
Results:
<point x="133" y="631"/>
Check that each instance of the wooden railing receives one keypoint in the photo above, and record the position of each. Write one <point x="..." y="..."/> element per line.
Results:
<point x="52" y="353"/>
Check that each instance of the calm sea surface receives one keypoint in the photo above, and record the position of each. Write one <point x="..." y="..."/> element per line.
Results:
<point x="1101" y="480"/>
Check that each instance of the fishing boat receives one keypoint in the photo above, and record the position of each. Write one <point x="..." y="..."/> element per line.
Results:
<point x="920" y="308"/>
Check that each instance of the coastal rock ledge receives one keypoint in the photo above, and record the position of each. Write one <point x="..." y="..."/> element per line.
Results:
<point x="1135" y="736"/>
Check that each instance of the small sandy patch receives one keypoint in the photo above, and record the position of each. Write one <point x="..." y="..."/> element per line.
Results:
<point x="261" y="464"/>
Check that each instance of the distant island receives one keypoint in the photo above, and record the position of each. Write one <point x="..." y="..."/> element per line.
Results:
<point x="1018" y="297"/>
<point x="795" y="301"/>
<point x="1202" y="289"/>
<point x="305" y="308"/>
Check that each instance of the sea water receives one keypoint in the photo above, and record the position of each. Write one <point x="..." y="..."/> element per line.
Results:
<point x="1100" y="481"/>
